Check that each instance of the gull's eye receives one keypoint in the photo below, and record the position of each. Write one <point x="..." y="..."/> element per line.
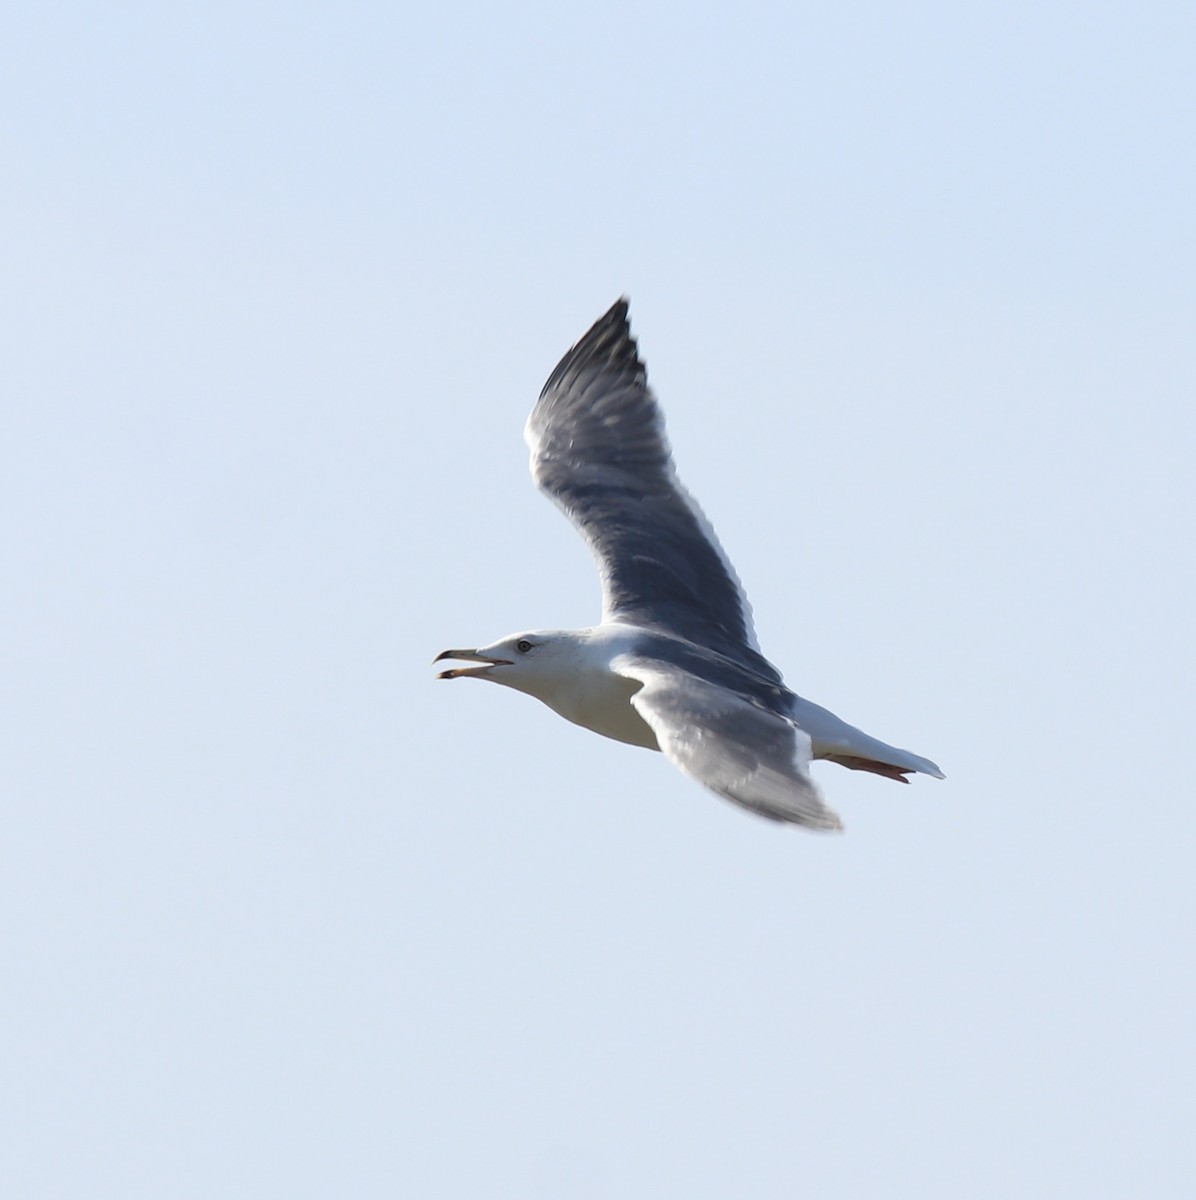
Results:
<point x="523" y="645"/>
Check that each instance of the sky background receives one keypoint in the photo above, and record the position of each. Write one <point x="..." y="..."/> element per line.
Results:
<point x="281" y="916"/>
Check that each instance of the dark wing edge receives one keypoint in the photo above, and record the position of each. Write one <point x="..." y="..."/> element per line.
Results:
<point x="608" y="343"/>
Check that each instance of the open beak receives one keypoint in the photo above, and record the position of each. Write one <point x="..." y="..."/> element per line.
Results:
<point x="488" y="664"/>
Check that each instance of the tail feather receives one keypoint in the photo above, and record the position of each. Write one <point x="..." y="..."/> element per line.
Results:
<point x="836" y="741"/>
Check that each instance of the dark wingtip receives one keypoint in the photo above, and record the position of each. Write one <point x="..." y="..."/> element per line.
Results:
<point x="620" y="310"/>
<point x="607" y="343"/>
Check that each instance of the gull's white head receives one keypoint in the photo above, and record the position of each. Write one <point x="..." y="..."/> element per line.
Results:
<point x="571" y="671"/>
<point x="537" y="662"/>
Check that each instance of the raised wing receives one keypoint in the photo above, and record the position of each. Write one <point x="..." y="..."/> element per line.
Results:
<point x="730" y="744"/>
<point x="599" y="451"/>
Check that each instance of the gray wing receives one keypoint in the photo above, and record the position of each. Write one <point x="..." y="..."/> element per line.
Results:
<point x="729" y="743"/>
<point x="599" y="451"/>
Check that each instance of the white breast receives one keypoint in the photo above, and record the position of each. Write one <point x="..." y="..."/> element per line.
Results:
<point x="601" y="701"/>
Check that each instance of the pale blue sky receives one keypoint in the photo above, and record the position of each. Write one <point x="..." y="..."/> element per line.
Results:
<point x="283" y="917"/>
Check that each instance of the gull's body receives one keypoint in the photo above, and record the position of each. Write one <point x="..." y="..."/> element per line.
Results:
<point x="674" y="665"/>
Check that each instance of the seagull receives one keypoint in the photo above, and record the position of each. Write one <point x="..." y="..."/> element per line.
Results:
<point x="674" y="664"/>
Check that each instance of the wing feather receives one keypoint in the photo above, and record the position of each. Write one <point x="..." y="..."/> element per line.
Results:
<point x="600" y="452"/>
<point x="729" y="743"/>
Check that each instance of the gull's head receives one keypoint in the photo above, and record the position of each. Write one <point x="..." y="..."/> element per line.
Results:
<point x="530" y="662"/>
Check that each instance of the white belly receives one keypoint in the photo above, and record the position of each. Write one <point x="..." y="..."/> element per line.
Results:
<point x="602" y="702"/>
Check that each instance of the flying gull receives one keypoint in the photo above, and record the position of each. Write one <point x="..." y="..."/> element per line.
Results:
<point x="674" y="664"/>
